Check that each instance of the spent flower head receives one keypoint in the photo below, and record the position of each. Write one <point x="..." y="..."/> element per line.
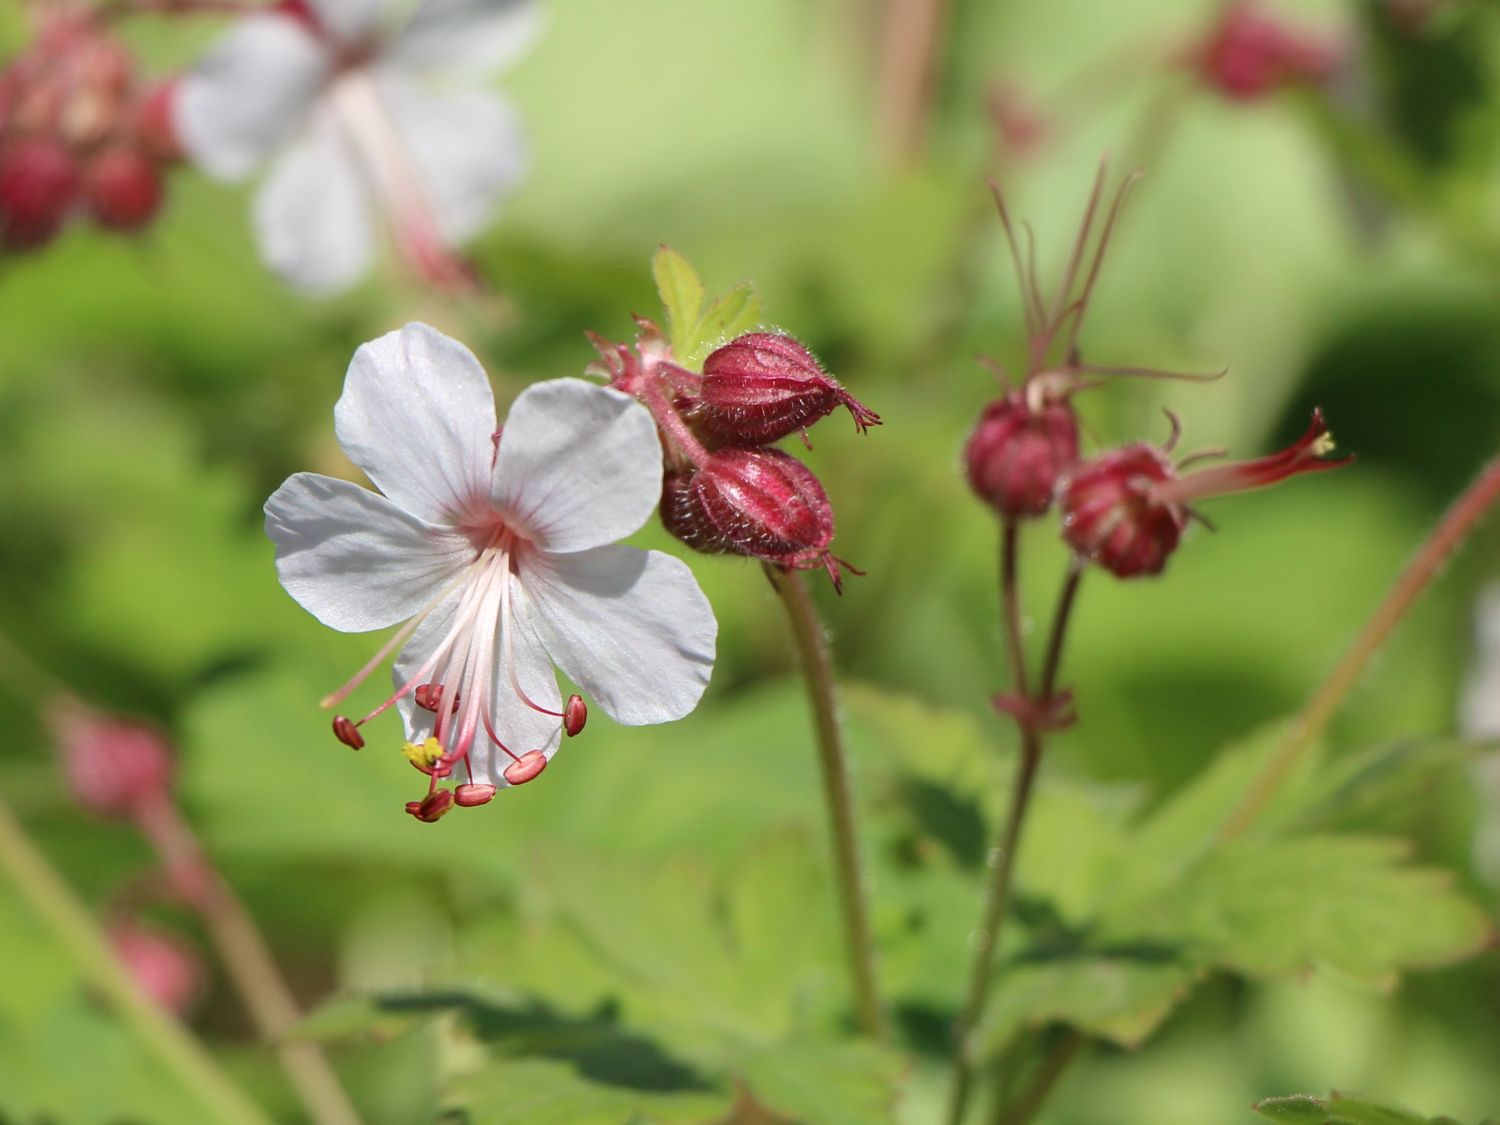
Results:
<point x="1127" y="509"/>
<point x="362" y="123"/>
<point x="497" y="550"/>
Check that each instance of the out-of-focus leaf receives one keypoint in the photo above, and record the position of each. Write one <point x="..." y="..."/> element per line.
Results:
<point x="1339" y="1109"/>
<point x="1269" y="907"/>
<point x="816" y="1081"/>
<point x="1120" y="994"/>
<point x="681" y="295"/>
<point x="538" y="1092"/>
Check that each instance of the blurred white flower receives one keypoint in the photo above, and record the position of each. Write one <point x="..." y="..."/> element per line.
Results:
<point x="362" y="122"/>
<point x="498" y="553"/>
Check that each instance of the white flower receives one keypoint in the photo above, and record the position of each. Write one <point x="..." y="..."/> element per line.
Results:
<point x="366" y="124"/>
<point x="497" y="551"/>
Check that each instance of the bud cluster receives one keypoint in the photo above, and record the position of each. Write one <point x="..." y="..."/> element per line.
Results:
<point x="1249" y="53"/>
<point x="726" y="489"/>
<point x="1127" y="508"/>
<point x="80" y="133"/>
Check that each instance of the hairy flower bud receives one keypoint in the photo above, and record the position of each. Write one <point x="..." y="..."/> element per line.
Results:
<point x="113" y="767"/>
<point x="761" y="503"/>
<point x="762" y="386"/>
<point x="1249" y="53"/>
<point x="39" y="182"/>
<point x="122" y="188"/>
<point x="1017" y="454"/>
<point x="1127" y="509"/>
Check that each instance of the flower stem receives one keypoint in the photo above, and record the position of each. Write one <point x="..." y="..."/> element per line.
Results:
<point x="1024" y="1108"/>
<point x="670" y="422"/>
<point x="77" y="932"/>
<point x="243" y="952"/>
<point x="997" y="894"/>
<point x="817" y="668"/>
<point x="1471" y="507"/>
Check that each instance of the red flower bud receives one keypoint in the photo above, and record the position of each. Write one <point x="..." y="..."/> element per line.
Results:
<point x="39" y="182"/>
<point x="1127" y="509"/>
<point x="155" y="124"/>
<point x="123" y="188"/>
<point x="762" y="386"/>
<point x="1016" y="455"/>
<point x="1249" y="53"/>
<point x="762" y="503"/>
<point x="166" y="969"/>
<point x="113" y="767"/>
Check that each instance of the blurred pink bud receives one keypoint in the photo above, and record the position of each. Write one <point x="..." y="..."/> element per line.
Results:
<point x="762" y="503"/>
<point x="154" y="127"/>
<point x="39" y="182"/>
<point x="164" y="967"/>
<point x="763" y="386"/>
<point x="123" y="188"/>
<point x="1249" y="52"/>
<point x="1127" y="509"/>
<point x="1017" y="454"/>
<point x="114" y="767"/>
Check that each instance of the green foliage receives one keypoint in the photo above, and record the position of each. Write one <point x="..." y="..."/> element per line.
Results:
<point x="694" y="331"/>
<point x="1343" y="1109"/>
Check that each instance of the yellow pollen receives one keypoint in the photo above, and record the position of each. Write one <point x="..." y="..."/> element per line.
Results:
<point x="425" y="755"/>
<point x="1322" y="444"/>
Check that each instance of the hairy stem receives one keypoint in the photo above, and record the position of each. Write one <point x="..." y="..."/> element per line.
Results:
<point x="248" y="962"/>
<point x="817" y="669"/>
<point x="998" y="893"/>
<point x="1467" y="511"/>
<point x="76" y="932"/>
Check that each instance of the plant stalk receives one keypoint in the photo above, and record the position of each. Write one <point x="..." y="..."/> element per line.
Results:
<point x="248" y="962"/>
<point x="1460" y="519"/>
<point x="817" y="669"/>
<point x="1024" y="1108"/>
<point x="998" y="893"/>
<point x="78" y="933"/>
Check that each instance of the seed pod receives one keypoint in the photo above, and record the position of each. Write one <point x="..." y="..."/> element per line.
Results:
<point x="123" y="188"/>
<point x="761" y="503"/>
<point x="1016" y="455"/>
<point x="1111" y="517"/>
<point x="39" y="183"/>
<point x="762" y="386"/>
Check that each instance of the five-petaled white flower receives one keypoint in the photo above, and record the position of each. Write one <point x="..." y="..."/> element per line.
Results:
<point x="498" y="551"/>
<point x="367" y="122"/>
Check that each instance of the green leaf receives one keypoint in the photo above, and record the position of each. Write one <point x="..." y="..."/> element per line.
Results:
<point x="681" y="295"/>
<point x="1121" y="995"/>
<point x="538" y="1092"/>
<point x="1268" y="908"/>
<point x="1337" y="1109"/>
<point x="812" y="1081"/>
<point x="733" y="314"/>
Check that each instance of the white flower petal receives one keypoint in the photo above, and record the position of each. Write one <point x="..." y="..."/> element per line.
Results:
<point x="465" y="150"/>
<point x="353" y="559"/>
<point x="249" y="94"/>
<point x="579" y="465"/>
<point x="417" y="415"/>
<point x="522" y="728"/>
<point x="630" y="627"/>
<point x="350" y="21"/>
<point x="312" y="215"/>
<point x="484" y="35"/>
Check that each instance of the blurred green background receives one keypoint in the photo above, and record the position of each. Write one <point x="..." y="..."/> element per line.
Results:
<point x="154" y="391"/>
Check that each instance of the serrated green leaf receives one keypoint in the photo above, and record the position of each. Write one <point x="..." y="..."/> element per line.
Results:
<point x="1272" y="907"/>
<point x="681" y="293"/>
<point x="537" y="1092"/>
<point x="815" y="1081"/>
<point x="733" y="314"/>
